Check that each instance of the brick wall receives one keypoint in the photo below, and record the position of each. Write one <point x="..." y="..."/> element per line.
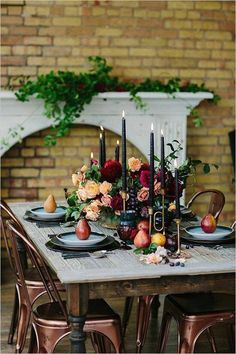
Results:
<point x="158" y="39"/>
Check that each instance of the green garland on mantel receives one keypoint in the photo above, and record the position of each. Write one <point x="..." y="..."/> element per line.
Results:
<point x="65" y="93"/>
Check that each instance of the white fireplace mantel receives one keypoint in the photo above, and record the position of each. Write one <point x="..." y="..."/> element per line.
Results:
<point x="165" y="111"/>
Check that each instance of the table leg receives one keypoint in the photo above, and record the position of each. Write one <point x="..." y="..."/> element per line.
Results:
<point x="77" y="302"/>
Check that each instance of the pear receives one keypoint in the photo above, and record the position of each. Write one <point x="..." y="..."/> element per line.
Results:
<point x="82" y="229"/>
<point x="50" y="204"/>
<point x="208" y="224"/>
<point x="142" y="239"/>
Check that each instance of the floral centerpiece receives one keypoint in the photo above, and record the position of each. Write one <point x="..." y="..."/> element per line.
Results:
<point x="98" y="188"/>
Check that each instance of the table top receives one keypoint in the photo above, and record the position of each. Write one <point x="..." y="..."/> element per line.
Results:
<point x="120" y="264"/>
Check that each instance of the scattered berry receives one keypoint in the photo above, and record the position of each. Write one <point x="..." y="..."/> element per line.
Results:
<point x="187" y="247"/>
<point x="182" y="265"/>
<point x="171" y="264"/>
<point x="191" y="245"/>
<point x="177" y="264"/>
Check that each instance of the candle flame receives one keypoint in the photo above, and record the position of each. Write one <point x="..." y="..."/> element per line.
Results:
<point x="118" y="142"/>
<point x="101" y="127"/>
<point x="162" y="133"/>
<point x="123" y="114"/>
<point x="91" y="155"/>
<point x="175" y="163"/>
<point x="100" y="135"/>
<point x="152" y="127"/>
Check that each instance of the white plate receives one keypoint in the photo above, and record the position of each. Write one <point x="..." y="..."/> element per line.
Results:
<point x="40" y="212"/>
<point x="70" y="238"/>
<point x="220" y="232"/>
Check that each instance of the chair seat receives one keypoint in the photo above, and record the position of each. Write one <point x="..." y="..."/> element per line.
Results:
<point x="203" y="303"/>
<point x="51" y="311"/>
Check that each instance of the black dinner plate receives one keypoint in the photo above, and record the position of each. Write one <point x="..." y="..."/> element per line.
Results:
<point x="228" y="239"/>
<point x="56" y="244"/>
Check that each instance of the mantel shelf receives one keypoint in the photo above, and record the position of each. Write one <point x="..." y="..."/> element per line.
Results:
<point x="167" y="111"/>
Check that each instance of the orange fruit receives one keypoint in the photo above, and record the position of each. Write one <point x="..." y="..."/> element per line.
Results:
<point x="159" y="239"/>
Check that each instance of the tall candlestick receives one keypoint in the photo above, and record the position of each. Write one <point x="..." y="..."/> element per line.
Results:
<point x="151" y="183"/>
<point x="91" y="158"/>
<point x="100" y="151"/>
<point x="117" y="151"/>
<point x="177" y="203"/>
<point x="162" y="161"/>
<point x="103" y="144"/>
<point x="124" y="181"/>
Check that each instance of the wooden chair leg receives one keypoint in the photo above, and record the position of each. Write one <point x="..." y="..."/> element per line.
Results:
<point x="14" y="318"/>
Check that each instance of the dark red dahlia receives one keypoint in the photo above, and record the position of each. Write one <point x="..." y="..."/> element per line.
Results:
<point x="117" y="202"/>
<point x="111" y="171"/>
<point x="145" y="178"/>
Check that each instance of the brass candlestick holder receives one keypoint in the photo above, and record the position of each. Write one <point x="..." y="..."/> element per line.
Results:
<point x="178" y="236"/>
<point x="150" y="213"/>
<point x="163" y="211"/>
<point x="124" y="195"/>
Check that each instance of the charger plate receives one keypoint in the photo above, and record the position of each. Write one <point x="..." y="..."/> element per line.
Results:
<point x="70" y="238"/>
<point x="57" y="245"/>
<point x="220" y="233"/>
<point x="190" y="239"/>
<point x="39" y="212"/>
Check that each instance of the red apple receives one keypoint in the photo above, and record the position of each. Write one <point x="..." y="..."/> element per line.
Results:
<point x="208" y="223"/>
<point x="142" y="239"/>
<point x="143" y="225"/>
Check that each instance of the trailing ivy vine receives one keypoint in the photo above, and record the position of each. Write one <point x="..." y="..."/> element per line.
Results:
<point x="65" y="93"/>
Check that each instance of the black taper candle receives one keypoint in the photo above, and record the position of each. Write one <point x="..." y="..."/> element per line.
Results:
<point x="103" y="145"/>
<point x="117" y="151"/>
<point x="100" y="151"/>
<point x="162" y="161"/>
<point x="124" y="181"/>
<point x="177" y="203"/>
<point x="151" y="183"/>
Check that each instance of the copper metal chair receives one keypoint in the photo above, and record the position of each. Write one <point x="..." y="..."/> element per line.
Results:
<point x="34" y="284"/>
<point x="49" y="320"/>
<point x="215" y="204"/>
<point x="195" y="313"/>
<point x="215" y="201"/>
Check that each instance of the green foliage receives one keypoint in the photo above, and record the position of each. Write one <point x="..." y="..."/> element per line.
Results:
<point x="65" y="93"/>
<point x="146" y="250"/>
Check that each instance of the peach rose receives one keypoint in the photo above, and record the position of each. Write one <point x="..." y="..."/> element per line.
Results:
<point x="143" y="194"/>
<point x="134" y="164"/>
<point x="92" y="215"/>
<point x="95" y="206"/>
<point x="82" y="194"/>
<point x="105" y="187"/>
<point x="157" y="187"/>
<point x="77" y="178"/>
<point x="92" y="189"/>
<point x="106" y="200"/>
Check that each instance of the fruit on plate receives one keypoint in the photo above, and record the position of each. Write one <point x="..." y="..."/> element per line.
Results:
<point x="159" y="239"/>
<point x="143" y="225"/>
<point x="142" y="239"/>
<point x="50" y="204"/>
<point x="82" y="229"/>
<point x="208" y="224"/>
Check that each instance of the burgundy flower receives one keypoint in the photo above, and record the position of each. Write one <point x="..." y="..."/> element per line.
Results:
<point x="117" y="202"/>
<point x="145" y="166"/>
<point x="145" y="178"/>
<point x="111" y="171"/>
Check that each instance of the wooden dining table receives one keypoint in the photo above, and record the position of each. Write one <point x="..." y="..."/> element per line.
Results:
<point x="121" y="273"/>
